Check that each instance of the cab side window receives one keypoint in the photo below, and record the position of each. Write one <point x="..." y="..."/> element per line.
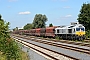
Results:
<point x="57" y="30"/>
<point x="69" y="30"/>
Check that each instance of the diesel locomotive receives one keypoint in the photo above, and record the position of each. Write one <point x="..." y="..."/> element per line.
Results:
<point x="74" y="31"/>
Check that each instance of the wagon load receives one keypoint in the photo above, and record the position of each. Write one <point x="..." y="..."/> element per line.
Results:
<point x="50" y="31"/>
<point x="37" y="33"/>
<point x="42" y="32"/>
<point x="33" y="32"/>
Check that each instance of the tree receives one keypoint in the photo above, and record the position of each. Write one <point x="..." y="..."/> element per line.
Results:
<point x="84" y="16"/>
<point x="39" y="21"/>
<point x="8" y="47"/>
<point x="28" y="26"/>
<point x="50" y="25"/>
<point x="15" y="29"/>
<point x="0" y="17"/>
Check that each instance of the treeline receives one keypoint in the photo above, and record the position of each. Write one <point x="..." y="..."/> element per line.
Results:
<point x="38" y="22"/>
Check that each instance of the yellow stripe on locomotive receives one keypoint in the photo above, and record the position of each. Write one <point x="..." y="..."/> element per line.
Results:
<point x="80" y="33"/>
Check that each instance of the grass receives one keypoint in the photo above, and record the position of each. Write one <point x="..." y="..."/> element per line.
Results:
<point x="57" y="38"/>
<point x="2" y="57"/>
<point x="24" y="56"/>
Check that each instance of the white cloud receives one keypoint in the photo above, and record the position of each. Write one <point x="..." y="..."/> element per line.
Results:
<point x="63" y="0"/>
<point x="60" y="0"/>
<point x="67" y="7"/>
<point x="12" y="0"/>
<point x="67" y="16"/>
<point x="24" y="13"/>
<point x="8" y="6"/>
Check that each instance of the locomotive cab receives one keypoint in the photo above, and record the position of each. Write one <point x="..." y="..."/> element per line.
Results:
<point x="80" y="32"/>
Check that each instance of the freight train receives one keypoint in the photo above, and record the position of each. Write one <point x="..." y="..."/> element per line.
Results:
<point x="74" y="31"/>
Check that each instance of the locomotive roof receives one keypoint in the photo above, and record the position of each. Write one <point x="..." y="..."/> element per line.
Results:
<point x="71" y="26"/>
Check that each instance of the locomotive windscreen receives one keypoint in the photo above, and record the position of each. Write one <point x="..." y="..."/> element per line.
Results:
<point x="78" y="29"/>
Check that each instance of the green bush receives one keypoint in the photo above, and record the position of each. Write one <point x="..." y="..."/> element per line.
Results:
<point x="57" y="37"/>
<point x="88" y="34"/>
<point x="8" y="46"/>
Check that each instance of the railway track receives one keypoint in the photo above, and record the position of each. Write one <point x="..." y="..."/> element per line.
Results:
<point x="82" y="43"/>
<point x="52" y="55"/>
<point x="87" y="43"/>
<point x="52" y="43"/>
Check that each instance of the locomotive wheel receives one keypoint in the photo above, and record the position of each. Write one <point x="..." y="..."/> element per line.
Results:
<point x="80" y="38"/>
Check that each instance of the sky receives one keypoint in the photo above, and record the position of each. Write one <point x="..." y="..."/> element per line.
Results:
<point x="58" y="12"/>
